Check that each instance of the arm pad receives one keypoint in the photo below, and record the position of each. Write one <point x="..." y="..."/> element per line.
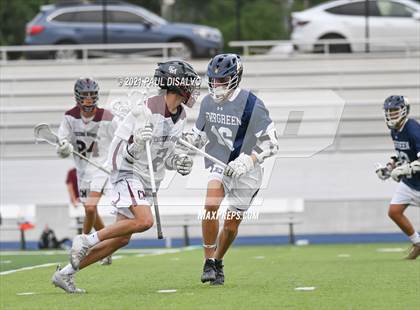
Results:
<point x="267" y="144"/>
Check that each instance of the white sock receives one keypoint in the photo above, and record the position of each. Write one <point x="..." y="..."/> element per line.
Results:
<point x="68" y="270"/>
<point x="93" y="238"/>
<point x="415" y="238"/>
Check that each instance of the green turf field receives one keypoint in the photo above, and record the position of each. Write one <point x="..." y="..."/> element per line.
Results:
<point x="344" y="277"/>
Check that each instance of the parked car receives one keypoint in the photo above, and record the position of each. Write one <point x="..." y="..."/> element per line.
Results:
<point x="126" y="23"/>
<point x="392" y="24"/>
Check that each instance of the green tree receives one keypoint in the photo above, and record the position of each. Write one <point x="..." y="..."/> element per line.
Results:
<point x="14" y="14"/>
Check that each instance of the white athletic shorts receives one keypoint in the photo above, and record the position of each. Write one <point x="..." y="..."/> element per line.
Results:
<point x="130" y="192"/>
<point x="405" y="195"/>
<point x="239" y="191"/>
<point x="97" y="183"/>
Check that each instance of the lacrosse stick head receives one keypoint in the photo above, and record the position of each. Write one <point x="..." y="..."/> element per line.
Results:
<point x="43" y="132"/>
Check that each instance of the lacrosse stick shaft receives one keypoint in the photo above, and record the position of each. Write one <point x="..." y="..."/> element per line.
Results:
<point x="91" y="162"/>
<point x="202" y="153"/>
<point x="154" y="194"/>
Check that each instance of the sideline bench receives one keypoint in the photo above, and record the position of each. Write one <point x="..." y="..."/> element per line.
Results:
<point x="284" y="211"/>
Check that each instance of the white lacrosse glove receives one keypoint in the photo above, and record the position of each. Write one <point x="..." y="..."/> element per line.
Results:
<point x="400" y="171"/>
<point x="142" y="135"/>
<point x="415" y="166"/>
<point x="383" y="172"/>
<point x="64" y="148"/>
<point x="182" y="163"/>
<point x="240" y="166"/>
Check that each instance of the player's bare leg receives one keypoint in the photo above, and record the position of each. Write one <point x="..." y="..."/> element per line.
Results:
<point x="228" y="234"/>
<point x="396" y="213"/>
<point x="92" y="218"/>
<point x="142" y="221"/>
<point x="64" y="278"/>
<point x="210" y="228"/>
<point x="226" y="238"/>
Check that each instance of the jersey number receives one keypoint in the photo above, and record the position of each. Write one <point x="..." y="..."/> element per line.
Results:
<point x="93" y="148"/>
<point x="224" y="136"/>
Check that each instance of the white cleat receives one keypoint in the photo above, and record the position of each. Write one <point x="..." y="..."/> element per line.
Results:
<point x="65" y="282"/>
<point x="106" y="261"/>
<point x="79" y="250"/>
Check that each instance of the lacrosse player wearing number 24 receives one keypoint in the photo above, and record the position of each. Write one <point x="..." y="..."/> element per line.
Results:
<point x="404" y="168"/>
<point x="89" y="130"/>
<point x="238" y="131"/>
<point x="161" y="122"/>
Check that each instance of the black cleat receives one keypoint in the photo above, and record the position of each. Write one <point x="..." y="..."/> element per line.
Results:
<point x="209" y="271"/>
<point x="220" y="276"/>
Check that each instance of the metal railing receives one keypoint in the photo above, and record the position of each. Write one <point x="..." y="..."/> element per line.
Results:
<point x="406" y="44"/>
<point x="165" y="47"/>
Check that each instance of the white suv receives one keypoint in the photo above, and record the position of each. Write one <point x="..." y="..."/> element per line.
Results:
<point x="392" y="25"/>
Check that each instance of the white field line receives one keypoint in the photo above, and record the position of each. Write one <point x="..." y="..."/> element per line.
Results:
<point x="156" y="252"/>
<point x="64" y="252"/>
<point x="27" y="268"/>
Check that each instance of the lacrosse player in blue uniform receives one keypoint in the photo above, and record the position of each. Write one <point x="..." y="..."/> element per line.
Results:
<point x="236" y="128"/>
<point x="404" y="168"/>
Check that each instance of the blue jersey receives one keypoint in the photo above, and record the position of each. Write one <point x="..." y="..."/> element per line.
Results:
<point x="407" y="145"/>
<point x="232" y="127"/>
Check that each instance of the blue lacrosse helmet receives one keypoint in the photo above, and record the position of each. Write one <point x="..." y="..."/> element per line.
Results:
<point x="396" y="110"/>
<point x="224" y="73"/>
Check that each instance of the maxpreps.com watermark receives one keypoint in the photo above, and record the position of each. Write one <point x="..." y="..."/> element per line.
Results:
<point x="228" y="215"/>
<point x="147" y="82"/>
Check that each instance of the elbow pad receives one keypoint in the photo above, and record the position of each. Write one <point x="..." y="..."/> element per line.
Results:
<point x="267" y="144"/>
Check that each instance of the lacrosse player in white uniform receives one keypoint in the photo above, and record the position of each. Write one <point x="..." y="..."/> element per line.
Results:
<point x="161" y="122"/>
<point x="89" y="130"/>
<point x="241" y="134"/>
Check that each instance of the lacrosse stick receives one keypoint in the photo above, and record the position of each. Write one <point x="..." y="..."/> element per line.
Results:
<point x="142" y="113"/>
<point x="43" y="132"/>
<point x="154" y="194"/>
<point x="201" y="152"/>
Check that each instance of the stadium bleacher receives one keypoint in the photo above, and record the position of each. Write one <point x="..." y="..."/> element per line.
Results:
<point x="322" y="162"/>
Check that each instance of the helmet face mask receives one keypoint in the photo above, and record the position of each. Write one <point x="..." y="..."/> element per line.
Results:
<point x="86" y="93"/>
<point x="396" y="109"/>
<point x="224" y="73"/>
<point x="221" y="89"/>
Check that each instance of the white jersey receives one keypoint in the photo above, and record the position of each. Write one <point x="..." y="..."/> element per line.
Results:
<point x="167" y="129"/>
<point x="90" y="137"/>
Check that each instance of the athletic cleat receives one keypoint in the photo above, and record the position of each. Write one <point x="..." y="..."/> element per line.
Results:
<point x="65" y="282"/>
<point x="209" y="271"/>
<point x="106" y="261"/>
<point x="413" y="252"/>
<point x="78" y="250"/>
<point x="220" y="276"/>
